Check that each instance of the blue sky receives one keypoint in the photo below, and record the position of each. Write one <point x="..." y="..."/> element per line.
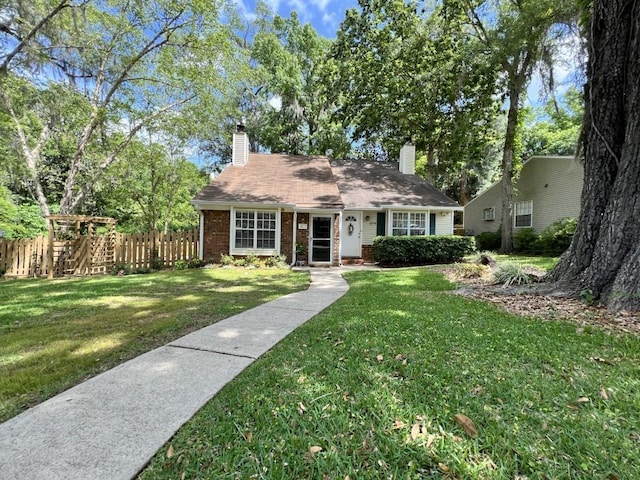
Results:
<point x="324" y="15"/>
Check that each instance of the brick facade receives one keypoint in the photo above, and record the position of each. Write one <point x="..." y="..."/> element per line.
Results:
<point x="336" y="240"/>
<point x="367" y="253"/>
<point x="216" y="235"/>
<point x="286" y="235"/>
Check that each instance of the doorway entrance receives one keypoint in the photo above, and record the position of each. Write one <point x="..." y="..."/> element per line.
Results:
<point x="321" y="229"/>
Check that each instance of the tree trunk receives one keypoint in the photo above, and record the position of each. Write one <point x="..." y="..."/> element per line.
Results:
<point x="604" y="256"/>
<point x="507" y="167"/>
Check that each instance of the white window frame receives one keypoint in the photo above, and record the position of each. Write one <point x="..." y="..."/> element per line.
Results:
<point x="254" y="250"/>
<point x="523" y="209"/>
<point x="489" y="214"/>
<point x="409" y="219"/>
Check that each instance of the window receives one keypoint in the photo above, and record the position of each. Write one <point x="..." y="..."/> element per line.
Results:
<point x="523" y="213"/>
<point x="489" y="213"/>
<point x="255" y="230"/>
<point x="408" y="224"/>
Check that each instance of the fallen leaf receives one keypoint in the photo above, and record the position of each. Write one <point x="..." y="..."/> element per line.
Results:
<point x="443" y="467"/>
<point x="301" y="408"/>
<point x="248" y="436"/>
<point x="583" y="400"/>
<point x="604" y="394"/>
<point x="416" y="431"/>
<point x="401" y="358"/>
<point x="380" y="358"/>
<point x="579" y="330"/>
<point x="398" y="424"/>
<point x="466" y="424"/>
<point x="315" y="449"/>
<point x="430" y="439"/>
<point x="572" y="407"/>
<point x="170" y="451"/>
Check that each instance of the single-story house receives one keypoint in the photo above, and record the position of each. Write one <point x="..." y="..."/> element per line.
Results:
<point x="547" y="189"/>
<point x="266" y="204"/>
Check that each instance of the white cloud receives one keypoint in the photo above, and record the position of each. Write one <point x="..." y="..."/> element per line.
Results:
<point x="321" y="4"/>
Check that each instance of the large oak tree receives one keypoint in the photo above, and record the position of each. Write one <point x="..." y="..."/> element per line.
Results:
<point x="604" y="257"/>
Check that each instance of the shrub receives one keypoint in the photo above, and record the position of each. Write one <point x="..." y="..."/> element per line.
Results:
<point x="195" y="263"/>
<point x="181" y="265"/>
<point x="226" y="260"/>
<point x="121" y="269"/>
<point x="253" y="260"/>
<point x="556" y="238"/>
<point x="157" y="263"/>
<point x="489" y="241"/>
<point x="276" y="261"/>
<point x="469" y="270"/>
<point x="422" y="250"/>
<point x="511" y="273"/>
<point x="525" y="240"/>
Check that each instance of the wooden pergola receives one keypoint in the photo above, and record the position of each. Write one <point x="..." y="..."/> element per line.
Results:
<point x="77" y="247"/>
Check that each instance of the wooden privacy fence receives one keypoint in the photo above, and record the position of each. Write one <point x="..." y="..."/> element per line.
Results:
<point x="30" y="257"/>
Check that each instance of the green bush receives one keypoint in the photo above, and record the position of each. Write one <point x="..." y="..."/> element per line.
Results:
<point x="422" y="250"/>
<point x="181" y="265"/>
<point x="226" y="260"/>
<point x="121" y="269"/>
<point x="511" y="273"/>
<point x="276" y="261"/>
<point x="525" y="240"/>
<point x="556" y="238"/>
<point x="195" y="263"/>
<point x="491" y="241"/>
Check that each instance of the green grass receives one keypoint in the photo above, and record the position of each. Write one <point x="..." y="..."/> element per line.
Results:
<point x="398" y="354"/>
<point x="546" y="263"/>
<point x="53" y="334"/>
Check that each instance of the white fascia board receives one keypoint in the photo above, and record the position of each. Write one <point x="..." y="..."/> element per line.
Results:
<point x="421" y="208"/>
<point x="213" y="205"/>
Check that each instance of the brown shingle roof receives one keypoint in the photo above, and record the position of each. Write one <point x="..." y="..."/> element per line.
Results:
<point x="316" y="182"/>
<point x="276" y="179"/>
<point x="374" y="184"/>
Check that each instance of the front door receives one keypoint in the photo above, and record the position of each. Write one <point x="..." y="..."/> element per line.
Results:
<point x="351" y="234"/>
<point x="320" y="239"/>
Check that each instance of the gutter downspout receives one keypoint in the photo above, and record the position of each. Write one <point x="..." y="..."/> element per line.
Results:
<point x="294" y="254"/>
<point x="201" y="236"/>
<point x="340" y="239"/>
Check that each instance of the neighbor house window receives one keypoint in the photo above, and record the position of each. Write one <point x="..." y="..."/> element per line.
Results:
<point x="489" y="213"/>
<point x="523" y="213"/>
<point x="408" y="224"/>
<point x="255" y="230"/>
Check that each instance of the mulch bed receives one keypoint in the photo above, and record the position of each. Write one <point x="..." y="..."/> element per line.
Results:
<point x="524" y="301"/>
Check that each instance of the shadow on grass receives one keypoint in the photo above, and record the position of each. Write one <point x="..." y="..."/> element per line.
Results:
<point x="57" y="333"/>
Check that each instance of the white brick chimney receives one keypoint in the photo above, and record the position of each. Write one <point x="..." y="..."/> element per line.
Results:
<point x="240" y="148"/>
<point x="408" y="159"/>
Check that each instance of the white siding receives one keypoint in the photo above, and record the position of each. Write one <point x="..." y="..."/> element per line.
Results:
<point x="369" y="228"/>
<point x="553" y="183"/>
<point x="444" y="223"/>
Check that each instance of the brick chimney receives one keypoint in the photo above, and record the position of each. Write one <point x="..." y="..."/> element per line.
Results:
<point x="408" y="159"/>
<point x="240" y="148"/>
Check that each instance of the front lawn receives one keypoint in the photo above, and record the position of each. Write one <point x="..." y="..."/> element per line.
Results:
<point x="53" y="334"/>
<point x="371" y="388"/>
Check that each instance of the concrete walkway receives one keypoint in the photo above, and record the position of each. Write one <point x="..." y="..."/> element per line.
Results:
<point x="110" y="426"/>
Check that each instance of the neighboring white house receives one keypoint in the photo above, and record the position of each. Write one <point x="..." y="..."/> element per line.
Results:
<point x="547" y="189"/>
